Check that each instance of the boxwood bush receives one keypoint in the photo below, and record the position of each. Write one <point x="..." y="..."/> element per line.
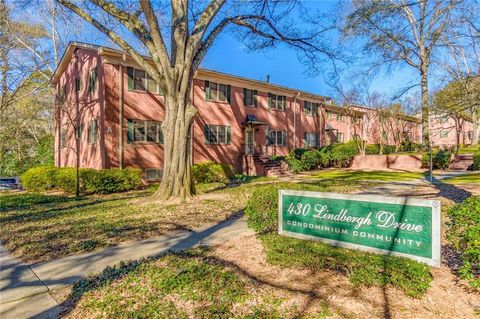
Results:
<point x="92" y="181"/>
<point x="210" y="172"/>
<point x="476" y="161"/>
<point x="463" y="233"/>
<point x="440" y="159"/>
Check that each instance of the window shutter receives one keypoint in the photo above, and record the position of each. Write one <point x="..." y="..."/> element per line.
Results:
<point x="255" y="99"/>
<point x="228" y="134"/>
<point x="207" y="134"/>
<point x="244" y="96"/>
<point x="160" y="132"/>
<point x="305" y="140"/>
<point x="130" y="78"/>
<point x="207" y="90"/>
<point x="284" y="138"/>
<point x="94" y="131"/>
<point x="94" y="79"/>
<point x="284" y="102"/>
<point x="267" y="137"/>
<point x="129" y="131"/>
<point x="229" y="92"/>
<point x="269" y="100"/>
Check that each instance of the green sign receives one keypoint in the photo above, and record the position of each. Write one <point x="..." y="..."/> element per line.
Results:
<point x="388" y="225"/>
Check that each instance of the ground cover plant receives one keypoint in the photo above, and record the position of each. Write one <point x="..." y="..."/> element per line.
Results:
<point x="190" y="284"/>
<point x="464" y="234"/>
<point x="368" y="175"/>
<point x="43" y="227"/>
<point x="471" y="178"/>
<point x="362" y="268"/>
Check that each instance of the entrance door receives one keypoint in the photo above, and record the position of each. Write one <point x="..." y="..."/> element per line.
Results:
<point x="249" y="141"/>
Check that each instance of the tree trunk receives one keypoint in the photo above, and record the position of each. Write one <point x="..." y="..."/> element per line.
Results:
<point x="476" y="127"/>
<point x="425" y="107"/>
<point x="177" y="182"/>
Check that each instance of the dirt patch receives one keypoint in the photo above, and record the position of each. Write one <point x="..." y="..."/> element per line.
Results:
<point x="310" y="292"/>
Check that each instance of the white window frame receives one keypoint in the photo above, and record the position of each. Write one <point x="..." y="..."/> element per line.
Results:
<point x="215" y="129"/>
<point x="311" y="139"/>
<point x="310" y="108"/>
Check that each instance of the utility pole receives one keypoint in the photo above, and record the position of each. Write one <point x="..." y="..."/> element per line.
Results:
<point x="430" y="166"/>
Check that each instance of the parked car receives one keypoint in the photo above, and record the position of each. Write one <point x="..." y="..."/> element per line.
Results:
<point x="9" y="183"/>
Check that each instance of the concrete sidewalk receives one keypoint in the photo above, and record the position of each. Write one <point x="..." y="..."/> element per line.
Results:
<point x="24" y="290"/>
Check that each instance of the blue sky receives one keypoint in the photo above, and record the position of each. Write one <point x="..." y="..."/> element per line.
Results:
<point x="229" y="55"/>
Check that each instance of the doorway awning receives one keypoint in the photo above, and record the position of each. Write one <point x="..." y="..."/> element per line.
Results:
<point x="252" y="120"/>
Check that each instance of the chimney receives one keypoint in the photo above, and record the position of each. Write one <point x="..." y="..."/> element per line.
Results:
<point x="267" y="78"/>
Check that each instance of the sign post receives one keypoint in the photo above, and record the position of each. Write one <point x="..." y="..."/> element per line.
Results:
<point x="397" y="226"/>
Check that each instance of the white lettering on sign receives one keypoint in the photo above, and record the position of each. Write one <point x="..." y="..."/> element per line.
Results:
<point x="387" y="220"/>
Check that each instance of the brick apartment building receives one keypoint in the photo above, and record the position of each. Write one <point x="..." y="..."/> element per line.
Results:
<point x="239" y="121"/>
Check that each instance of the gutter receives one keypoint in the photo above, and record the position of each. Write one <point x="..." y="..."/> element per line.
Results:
<point x="120" y="115"/>
<point x="295" y="119"/>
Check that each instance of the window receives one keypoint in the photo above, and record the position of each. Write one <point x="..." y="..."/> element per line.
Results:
<point x="444" y="119"/>
<point x="278" y="138"/>
<point x="142" y="131"/>
<point x="250" y="97"/>
<point x="217" y="134"/>
<point x="276" y="102"/>
<point x="356" y="120"/>
<point x="470" y="135"/>
<point x="63" y="138"/>
<point x="340" y="137"/>
<point x="217" y="92"/>
<point x="340" y="117"/>
<point x="92" y="132"/>
<point x="153" y="174"/>
<point x="63" y="94"/>
<point x="330" y="115"/>
<point x="311" y="139"/>
<point x="78" y="84"/>
<point x="310" y="108"/>
<point x="92" y="81"/>
<point x="139" y="80"/>
<point x="443" y="134"/>
<point x="78" y="132"/>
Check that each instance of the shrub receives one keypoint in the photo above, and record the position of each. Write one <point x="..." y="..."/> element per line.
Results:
<point x="440" y="159"/>
<point x="39" y="178"/>
<point x="311" y="159"/>
<point x="210" y="172"/>
<point x="93" y="181"/>
<point x="111" y="180"/>
<point x="476" y="161"/>
<point x="342" y="154"/>
<point x="372" y="149"/>
<point x="463" y="234"/>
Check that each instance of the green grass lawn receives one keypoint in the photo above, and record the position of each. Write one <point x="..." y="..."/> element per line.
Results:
<point x="473" y="178"/>
<point x="367" y="175"/>
<point x="38" y="227"/>
<point x="192" y="284"/>
<point x="469" y="149"/>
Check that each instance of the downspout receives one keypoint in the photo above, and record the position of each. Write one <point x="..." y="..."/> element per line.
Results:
<point x="295" y="119"/>
<point x="120" y="116"/>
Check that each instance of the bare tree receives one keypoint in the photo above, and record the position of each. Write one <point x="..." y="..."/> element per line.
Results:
<point x="403" y="31"/>
<point x="192" y="30"/>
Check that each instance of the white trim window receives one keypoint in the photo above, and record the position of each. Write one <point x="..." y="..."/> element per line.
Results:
<point x="277" y="102"/>
<point x="310" y="108"/>
<point x="144" y="131"/>
<point x="139" y="80"/>
<point x="153" y="174"/>
<point x="340" y="117"/>
<point x="311" y="139"/>
<point x="217" y="134"/>
<point x="276" y="137"/>
<point x="340" y="137"/>
<point x="443" y="133"/>
<point x="217" y="92"/>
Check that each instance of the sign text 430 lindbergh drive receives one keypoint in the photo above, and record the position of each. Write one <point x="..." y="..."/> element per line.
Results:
<point x="389" y="225"/>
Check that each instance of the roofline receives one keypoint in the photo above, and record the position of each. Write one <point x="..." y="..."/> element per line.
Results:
<point x="104" y="50"/>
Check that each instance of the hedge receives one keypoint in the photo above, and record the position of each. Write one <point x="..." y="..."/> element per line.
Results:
<point x="440" y="159"/>
<point x="103" y="181"/>
<point x="476" y="161"/>
<point x="335" y="155"/>
<point x="210" y="172"/>
<point x="463" y="233"/>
